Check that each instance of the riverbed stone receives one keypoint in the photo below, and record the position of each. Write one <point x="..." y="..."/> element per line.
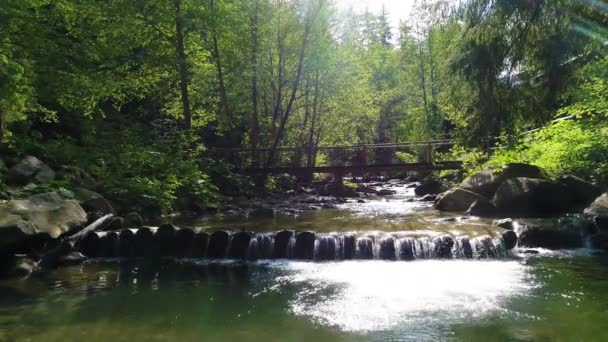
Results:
<point x="599" y="206"/>
<point x="304" y="246"/>
<point x="458" y="200"/>
<point x="218" y="243"/>
<point x="281" y="244"/>
<point x="29" y="170"/>
<point x="487" y="181"/>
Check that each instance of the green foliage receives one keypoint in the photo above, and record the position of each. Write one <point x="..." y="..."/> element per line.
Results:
<point x="565" y="147"/>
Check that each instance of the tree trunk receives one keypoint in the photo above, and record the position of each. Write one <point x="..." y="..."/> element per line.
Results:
<point x="255" y="122"/>
<point x="2" y="128"/>
<point x="294" y="89"/>
<point x="182" y="63"/>
<point x="315" y="113"/>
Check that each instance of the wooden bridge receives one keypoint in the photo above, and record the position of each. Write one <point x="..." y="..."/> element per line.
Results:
<point x="340" y="160"/>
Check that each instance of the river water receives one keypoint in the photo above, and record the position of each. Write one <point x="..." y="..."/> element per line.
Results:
<point x="545" y="296"/>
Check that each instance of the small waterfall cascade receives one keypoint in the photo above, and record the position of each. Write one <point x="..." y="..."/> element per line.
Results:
<point x="291" y="245"/>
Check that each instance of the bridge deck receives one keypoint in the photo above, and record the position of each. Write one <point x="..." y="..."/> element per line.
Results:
<point x="449" y="165"/>
<point x="340" y="160"/>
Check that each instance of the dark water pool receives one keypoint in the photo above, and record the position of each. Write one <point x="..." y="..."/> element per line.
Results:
<point x="558" y="296"/>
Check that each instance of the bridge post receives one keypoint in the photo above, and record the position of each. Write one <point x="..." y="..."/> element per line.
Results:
<point x="428" y="154"/>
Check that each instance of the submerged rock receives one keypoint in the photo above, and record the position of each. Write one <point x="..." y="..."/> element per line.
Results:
<point x="509" y="239"/>
<point x="70" y="259"/>
<point x="551" y="236"/>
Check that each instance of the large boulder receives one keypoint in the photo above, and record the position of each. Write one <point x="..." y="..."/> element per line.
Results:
<point x="599" y="206"/>
<point x="457" y="200"/>
<point x="528" y="197"/>
<point x="47" y="214"/>
<point x="565" y="234"/>
<point x="30" y="170"/>
<point x="582" y="193"/>
<point x="482" y="208"/>
<point x="92" y="202"/>
<point x="429" y="187"/>
<point x="486" y="182"/>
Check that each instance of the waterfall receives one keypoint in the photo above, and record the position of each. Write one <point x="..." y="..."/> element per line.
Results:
<point x="292" y="245"/>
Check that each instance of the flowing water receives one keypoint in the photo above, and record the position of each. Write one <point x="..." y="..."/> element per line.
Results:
<point x="517" y="296"/>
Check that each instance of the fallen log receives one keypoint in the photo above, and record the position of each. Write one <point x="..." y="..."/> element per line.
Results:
<point x="67" y="244"/>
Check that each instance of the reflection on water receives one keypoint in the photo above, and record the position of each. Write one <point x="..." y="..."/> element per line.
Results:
<point x="377" y="296"/>
<point x="561" y="297"/>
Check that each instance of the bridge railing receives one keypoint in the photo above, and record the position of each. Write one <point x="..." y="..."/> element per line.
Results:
<point x="333" y="156"/>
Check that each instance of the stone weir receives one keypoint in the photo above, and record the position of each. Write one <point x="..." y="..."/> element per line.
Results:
<point x="170" y="241"/>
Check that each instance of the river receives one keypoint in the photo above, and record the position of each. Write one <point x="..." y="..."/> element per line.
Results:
<point x="522" y="296"/>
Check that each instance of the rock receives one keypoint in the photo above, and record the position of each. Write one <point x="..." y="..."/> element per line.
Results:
<point x="262" y="212"/>
<point x="599" y="206"/>
<point x="109" y="245"/>
<point x="386" y="192"/>
<point x="507" y="224"/>
<point x="133" y="220"/>
<point x="551" y="236"/>
<point x="457" y="200"/>
<point x="429" y="187"/>
<point x="428" y="198"/>
<point x="16" y="266"/>
<point x="349" y="246"/>
<point x="92" y="202"/>
<point x="365" y="248"/>
<point x="509" y="239"/>
<point x="30" y="170"/>
<point x="338" y="189"/>
<point x="583" y="193"/>
<point x="482" y="208"/>
<point x="366" y="189"/>
<point x="3" y="167"/>
<point x="70" y="259"/>
<point x="47" y="214"/>
<point x="386" y="248"/>
<point x="528" y="197"/>
<point x="486" y="182"/>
